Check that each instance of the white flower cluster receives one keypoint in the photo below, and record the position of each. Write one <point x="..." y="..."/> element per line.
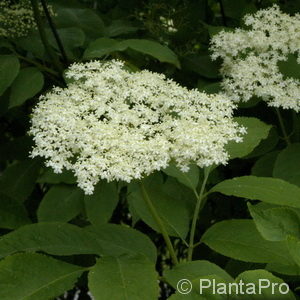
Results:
<point x="17" y="19"/>
<point x="251" y="56"/>
<point x="113" y="124"/>
<point x="168" y="24"/>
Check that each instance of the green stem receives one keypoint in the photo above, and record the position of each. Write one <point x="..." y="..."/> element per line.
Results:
<point x="53" y="75"/>
<point x="195" y="217"/>
<point x="55" y="33"/>
<point x="285" y="135"/>
<point x="38" y="20"/>
<point x="197" y="244"/>
<point x="222" y="12"/>
<point x="38" y="65"/>
<point x="159" y="223"/>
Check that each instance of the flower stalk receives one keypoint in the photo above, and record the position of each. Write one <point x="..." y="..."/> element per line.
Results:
<point x="49" y="50"/>
<point x="282" y="126"/>
<point x="159" y="223"/>
<point x="200" y="197"/>
<point x="54" y="31"/>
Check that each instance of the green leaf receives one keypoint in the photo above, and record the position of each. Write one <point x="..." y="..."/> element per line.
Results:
<point x="119" y="27"/>
<point x="189" y="179"/>
<point x="27" y="84"/>
<point x="9" y="69"/>
<point x="65" y="239"/>
<point x="239" y="239"/>
<point x="33" y="44"/>
<point x="12" y="213"/>
<point x="294" y="249"/>
<point x="266" y="145"/>
<point x="287" y="165"/>
<point x="86" y="19"/>
<point x="266" y="286"/>
<point x="180" y="192"/>
<point x="117" y="240"/>
<point x="193" y="270"/>
<point x="104" y="46"/>
<point x="290" y="67"/>
<point x="263" y="167"/>
<point x="100" y="206"/>
<point x="53" y="178"/>
<point x="275" y="224"/>
<point x="291" y="270"/>
<point x="72" y="37"/>
<point x="256" y="131"/>
<point x="121" y="278"/>
<point x="101" y="47"/>
<point x="154" y="49"/>
<point x="202" y="65"/>
<point x="52" y="238"/>
<point x="173" y="212"/>
<point x="212" y="88"/>
<point x="60" y="204"/>
<point x="35" y="276"/>
<point x="18" y="180"/>
<point x="270" y="190"/>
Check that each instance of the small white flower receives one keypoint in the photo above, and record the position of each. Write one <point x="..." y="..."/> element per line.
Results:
<point x="17" y="19"/>
<point x="251" y="57"/>
<point x="116" y="125"/>
<point x="168" y="24"/>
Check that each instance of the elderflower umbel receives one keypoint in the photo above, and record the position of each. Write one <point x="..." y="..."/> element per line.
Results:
<point x="112" y="124"/>
<point x="251" y="57"/>
<point x="17" y="19"/>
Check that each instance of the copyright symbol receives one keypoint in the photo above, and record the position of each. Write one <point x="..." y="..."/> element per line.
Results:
<point x="184" y="286"/>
